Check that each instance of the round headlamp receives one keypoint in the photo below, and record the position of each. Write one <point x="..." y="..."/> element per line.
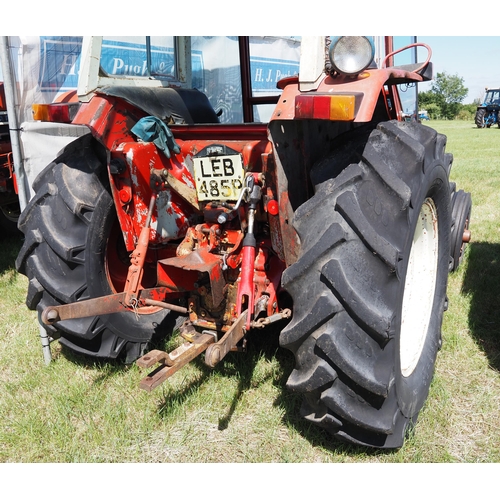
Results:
<point x="350" y="55"/>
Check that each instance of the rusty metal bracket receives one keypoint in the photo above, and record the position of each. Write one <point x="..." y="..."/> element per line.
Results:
<point x="170" y="363"/>
<point x="138" y="257"/>
<point x="216" y="352"/>
<point x="85" y="308"/>
<point x="106" y="305"/>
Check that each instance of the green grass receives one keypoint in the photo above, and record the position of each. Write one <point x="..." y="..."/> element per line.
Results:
<point x="77" y="411"/>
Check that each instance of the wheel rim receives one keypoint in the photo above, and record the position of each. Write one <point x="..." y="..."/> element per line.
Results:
<point x="419" y="289"/>
<point x="11" y="212"/>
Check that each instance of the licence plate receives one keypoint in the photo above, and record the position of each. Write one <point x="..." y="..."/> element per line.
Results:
<point x="219" y="177"/>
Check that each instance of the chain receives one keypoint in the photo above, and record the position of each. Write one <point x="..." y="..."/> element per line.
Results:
<point x="263" y="322"/>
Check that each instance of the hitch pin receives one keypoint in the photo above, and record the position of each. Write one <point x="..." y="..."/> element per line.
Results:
<point x="134" y="303"/>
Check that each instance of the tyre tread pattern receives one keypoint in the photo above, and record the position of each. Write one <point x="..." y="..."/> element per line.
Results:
<point x="60" y="222"/>
<point x="353" y="233"/>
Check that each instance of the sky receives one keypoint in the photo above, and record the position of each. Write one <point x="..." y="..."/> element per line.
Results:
<point x="476" y="59"/>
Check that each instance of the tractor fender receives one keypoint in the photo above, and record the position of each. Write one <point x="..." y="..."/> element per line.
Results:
<point x="173" y="105"/>
<point x="366" y="88"/>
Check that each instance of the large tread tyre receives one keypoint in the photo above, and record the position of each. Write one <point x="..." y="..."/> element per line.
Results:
<point x="460" y="215"/>
<point x="369" y="286"/>
<point x="479" y="118"/>
<point x="70" y="253"/>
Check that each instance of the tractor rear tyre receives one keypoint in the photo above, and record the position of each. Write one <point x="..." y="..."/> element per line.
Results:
<point x="369" y="286"/>
<point x="73" y="250"/>
<point x="479" y="118"/>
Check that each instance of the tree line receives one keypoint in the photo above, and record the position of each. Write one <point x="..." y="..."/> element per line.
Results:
<point x="444" y="100"/>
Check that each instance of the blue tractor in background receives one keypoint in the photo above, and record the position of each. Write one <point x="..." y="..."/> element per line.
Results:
<point x="487" y="113"/>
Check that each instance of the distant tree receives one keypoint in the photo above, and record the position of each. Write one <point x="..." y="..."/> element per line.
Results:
<point x="450" y="91"/>
<point x="470" y="108"/>
<point x="433" y="110"/>
<point x="430" y="102"/>
<point x="465" y="114"/>
<point x="425" y="99"/>
<point x="467" y="111"/>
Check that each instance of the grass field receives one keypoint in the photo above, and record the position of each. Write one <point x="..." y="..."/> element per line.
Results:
<point x="78" y="411"/>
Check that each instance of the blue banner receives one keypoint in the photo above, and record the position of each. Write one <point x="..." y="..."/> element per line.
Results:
<point x="59" y="63"/>
<point x="267" y="72"/>
<point x="130" y="59"/>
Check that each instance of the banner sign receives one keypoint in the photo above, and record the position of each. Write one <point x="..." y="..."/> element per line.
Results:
<point x="60" y="63"/>
<point x="267" y="72"/>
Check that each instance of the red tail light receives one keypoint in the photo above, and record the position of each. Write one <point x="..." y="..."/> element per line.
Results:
<point x="326" y="107"/>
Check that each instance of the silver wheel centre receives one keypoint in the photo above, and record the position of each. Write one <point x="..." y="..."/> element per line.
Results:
<point x="419" y="290"/>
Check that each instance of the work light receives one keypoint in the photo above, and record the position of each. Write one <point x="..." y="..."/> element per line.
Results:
<point x="350" y="55"/>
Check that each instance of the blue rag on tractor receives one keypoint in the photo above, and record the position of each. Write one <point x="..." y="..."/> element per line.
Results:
<point x="152" y="129"/>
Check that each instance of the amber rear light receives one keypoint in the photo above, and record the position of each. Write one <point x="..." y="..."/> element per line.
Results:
<point x="56" y="112"/>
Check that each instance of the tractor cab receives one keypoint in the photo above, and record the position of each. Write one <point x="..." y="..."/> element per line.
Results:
<point x="238" y="75"/>
<point x="492" y="97"/>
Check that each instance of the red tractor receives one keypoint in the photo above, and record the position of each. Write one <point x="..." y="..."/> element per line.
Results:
<point x="334" y="218"/>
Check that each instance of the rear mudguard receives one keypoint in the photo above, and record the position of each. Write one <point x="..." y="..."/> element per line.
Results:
<point x="298" y="143"/>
